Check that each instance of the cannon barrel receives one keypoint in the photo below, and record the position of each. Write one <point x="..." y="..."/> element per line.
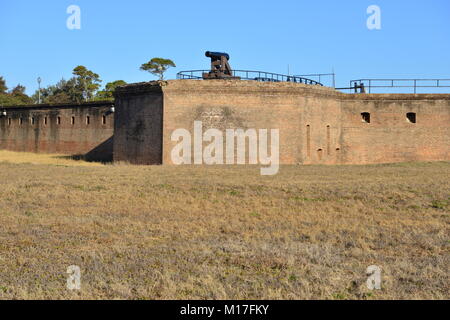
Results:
<point x="210" y="54"/>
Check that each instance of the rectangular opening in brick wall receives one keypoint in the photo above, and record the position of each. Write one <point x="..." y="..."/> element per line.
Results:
<point x="45" y="121"/>
<point x="9" y="121"/>
<point x="320" y="154"/>
<point x="365" y="116"/>
<point x="104" y="119"/>
<point x="88" y="120"/>
<point x="308" y="140"/>
<point x="328" y="140"/>
<point x="411" y="117"/>
<point x="20" y="121"/>
<point x="32" y="121"/>
<point x="72" y="121"/>
<point x="58" y="120"/>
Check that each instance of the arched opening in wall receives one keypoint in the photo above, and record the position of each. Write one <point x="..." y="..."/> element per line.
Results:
<point x="320" y="154"/>
<point x="103" y="119"/>
<point x="45" y="121"/>
<point x="72" y="121"/>
<point x="411" y="117"/>
<point x="308" y="140"/>
<point x="88" y="120"/>
<point x="32" y="121"/>
<point x="328" y="140"/>
<point x="58" y="120"/>
<point x="365" y="117"/>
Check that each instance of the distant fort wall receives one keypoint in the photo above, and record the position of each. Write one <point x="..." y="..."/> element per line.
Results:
<point x="84" y="130"/>
<point x="317" y="125"/>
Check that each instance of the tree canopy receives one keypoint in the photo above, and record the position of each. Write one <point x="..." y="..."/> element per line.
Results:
<point x="14" y="97"/>
<point x="65" y="91"/>
<point x="108" y="92"/>
<point x="87" y="83"/>
<point x="158" y="66"/>
<point x="83" y="86"/>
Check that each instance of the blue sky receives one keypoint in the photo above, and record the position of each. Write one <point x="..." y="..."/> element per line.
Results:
<point x="116" y="37"/>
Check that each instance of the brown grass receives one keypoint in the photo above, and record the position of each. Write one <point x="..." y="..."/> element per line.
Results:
<point x="53" y="159"/>
<point x="223" y="232"/>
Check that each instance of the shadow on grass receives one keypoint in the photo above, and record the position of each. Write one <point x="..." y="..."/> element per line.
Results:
<point x="83" y="157"/>
<point x="103" y="153"/>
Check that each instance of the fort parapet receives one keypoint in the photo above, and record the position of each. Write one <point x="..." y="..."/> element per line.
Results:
<point x="317" y="125"/>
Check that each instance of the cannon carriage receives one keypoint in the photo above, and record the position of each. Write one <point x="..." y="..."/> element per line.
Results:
<point x="220" y="66"/>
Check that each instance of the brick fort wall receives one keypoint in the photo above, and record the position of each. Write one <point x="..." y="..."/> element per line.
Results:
<point x="317" y="125"/>
<point x="85" y="129"/>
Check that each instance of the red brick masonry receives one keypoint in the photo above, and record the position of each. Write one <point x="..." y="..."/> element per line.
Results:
<point x="318" y="125"/>
<point x="85" y="129"/>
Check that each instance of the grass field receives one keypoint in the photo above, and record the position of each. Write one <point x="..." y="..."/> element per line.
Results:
<point x="309" y="232"/>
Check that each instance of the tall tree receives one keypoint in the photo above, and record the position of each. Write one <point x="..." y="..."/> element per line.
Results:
<point x="158" y="66"/>
<point x="87" y="82"/>
<point x="108" y="92"/>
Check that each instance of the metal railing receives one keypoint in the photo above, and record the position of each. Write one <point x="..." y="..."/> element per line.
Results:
<point x="261" y="76"/>
<point x="320" y="76"/>
<point x="367" y="85"/>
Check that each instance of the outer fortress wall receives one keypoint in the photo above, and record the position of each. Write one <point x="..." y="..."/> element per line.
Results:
<point x="85" y="129"/>
<point x="138" y="123"/>
<point x="223" y="104"/>
<point x="317" y="125"/>
<point x="391" y="136"/>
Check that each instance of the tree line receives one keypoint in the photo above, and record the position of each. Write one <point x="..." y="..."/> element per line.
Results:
<point x="83" y="86"/>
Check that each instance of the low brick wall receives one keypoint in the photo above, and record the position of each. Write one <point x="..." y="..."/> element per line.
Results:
<point x="85" y="129"/>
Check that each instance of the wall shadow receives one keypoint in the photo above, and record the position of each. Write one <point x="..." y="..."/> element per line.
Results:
<point x="102" y="153"/>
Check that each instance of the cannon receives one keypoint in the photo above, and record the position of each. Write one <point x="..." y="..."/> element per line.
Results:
<point x="217" y="55"/>
<point x="220" y="67"/>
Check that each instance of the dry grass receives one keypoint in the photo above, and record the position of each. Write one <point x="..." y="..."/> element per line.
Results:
<point x="53" y="159"/>
<point x="223" y="232"/>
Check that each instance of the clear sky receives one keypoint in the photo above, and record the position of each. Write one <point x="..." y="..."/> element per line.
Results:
<point x="116" y="37"/>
